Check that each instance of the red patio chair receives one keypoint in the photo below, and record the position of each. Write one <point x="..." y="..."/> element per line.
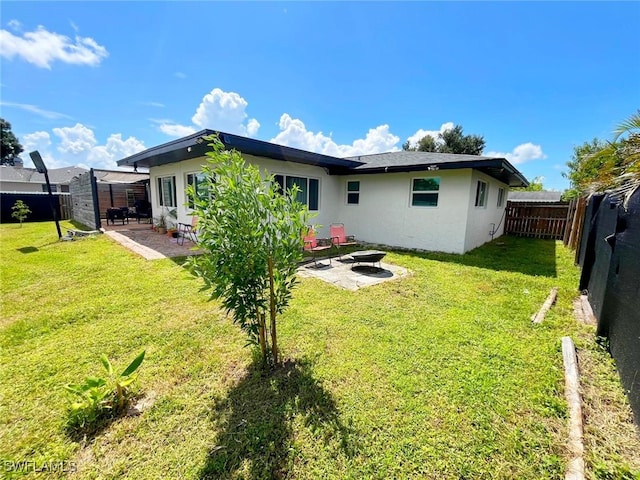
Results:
<point x="339" y="238"/>
<point x="314" y="245"/>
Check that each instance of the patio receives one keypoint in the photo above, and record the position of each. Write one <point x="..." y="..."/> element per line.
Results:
<point x="149" y="244"/>
<point x="342" y="273"/>
<point x="141" y="239"/>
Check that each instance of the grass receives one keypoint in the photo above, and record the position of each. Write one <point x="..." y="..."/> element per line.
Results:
<point x="438" y="375"/>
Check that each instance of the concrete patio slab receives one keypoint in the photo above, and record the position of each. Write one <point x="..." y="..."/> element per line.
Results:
<point x="340" y="274"/>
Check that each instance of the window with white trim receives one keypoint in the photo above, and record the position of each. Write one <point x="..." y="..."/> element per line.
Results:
<point x="481" y="194"/>
<point x="167" y="191"/>
<point x="500" y="197"/>
<point x="131" y="198"/>
<point x="353" y="192"/>
<point x="197" y="181"/>
<point x="308" y="189"/>
<point x="425" y="192"/>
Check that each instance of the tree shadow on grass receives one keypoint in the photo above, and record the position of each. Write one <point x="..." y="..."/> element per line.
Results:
<point x="259" y="418"/>
<point x="529" y="256"/>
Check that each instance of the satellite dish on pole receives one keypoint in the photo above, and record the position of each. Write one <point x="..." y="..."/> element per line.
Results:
<point x="42" y="168"/>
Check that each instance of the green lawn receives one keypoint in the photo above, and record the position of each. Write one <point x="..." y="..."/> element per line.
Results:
<point x="438" y="375"/>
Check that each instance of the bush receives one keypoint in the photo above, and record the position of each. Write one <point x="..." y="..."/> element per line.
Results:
<point x="100" y="398"/>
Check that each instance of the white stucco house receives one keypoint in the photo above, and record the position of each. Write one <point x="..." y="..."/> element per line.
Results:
<point x="430" y="201"/>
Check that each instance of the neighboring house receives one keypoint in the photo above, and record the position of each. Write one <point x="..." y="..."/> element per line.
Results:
<point x="535" y="197"/>
<point x="439" y="202"/>
<point x="18" y="179"/>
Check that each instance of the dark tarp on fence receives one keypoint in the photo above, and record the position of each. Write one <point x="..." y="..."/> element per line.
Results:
<point x="611" y="272"/>
<point x="38" y="203"/>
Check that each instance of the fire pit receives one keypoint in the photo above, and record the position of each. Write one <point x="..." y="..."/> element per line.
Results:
<point x="368" y="256"/>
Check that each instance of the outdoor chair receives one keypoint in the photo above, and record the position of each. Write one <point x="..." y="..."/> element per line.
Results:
<point x="142" y="209"/>
<point x="339" y="238"/>
<point x="315" y="245"/>
<point x="188" y="230"/>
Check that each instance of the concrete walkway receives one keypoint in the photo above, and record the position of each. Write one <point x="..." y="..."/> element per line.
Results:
<point x="135" y="247"/>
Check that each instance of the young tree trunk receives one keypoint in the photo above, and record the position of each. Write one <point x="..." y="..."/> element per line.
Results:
<point x="272" y="311"/>
<point x="262" y="336"/>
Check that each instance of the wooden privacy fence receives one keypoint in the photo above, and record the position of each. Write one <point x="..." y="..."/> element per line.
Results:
<point x="537" y="220"/>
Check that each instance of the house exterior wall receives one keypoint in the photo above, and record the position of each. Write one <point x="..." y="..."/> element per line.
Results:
<point x="480" y="219"/>
<point x="385" y="215"/>
<point x="328" y="185"/>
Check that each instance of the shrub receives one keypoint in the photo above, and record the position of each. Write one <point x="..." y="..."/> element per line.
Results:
<point x="99" y="398"/>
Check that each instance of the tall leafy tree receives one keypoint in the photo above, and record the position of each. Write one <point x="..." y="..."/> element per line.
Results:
<point x="535" y="185"/>
<point x="251" y="233"/>
<point x="11" y="147"/>
<point x="600" y="165"/>
<point x="450" y="141"/>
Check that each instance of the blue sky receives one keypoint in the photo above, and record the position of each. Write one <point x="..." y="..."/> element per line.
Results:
<point x="88" y="83"/>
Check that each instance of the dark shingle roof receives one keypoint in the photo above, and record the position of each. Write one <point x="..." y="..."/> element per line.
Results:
<point x="403" y="161"/>
<point x="404" y="158"/>
<point x="9" y="173"/>
<point x="59" y="175"/>
<point x="542" y="196"/>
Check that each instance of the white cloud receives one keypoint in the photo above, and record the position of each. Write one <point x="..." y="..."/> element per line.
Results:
<point x="180" y="75"/>
<point x="224" y="111"/>
<point x="293" y="133"/>
<point x="153" y="104"/>
<point x="106" y="156"/>
<point x="35" y="109"/>
<point x="175" y="130"/>
<point x="36" y="141"/>
<point x="14" y="25"/>
<point x="420" y="134"/>
<point x="41" y="48"/>
<point x="218" y="110"/>
<point x="41" y="142"/>
<point x="252" y="127"/>
<point x="521" y="154"/>
<point x="78" y="145"/>
<point x="75" y="140"/>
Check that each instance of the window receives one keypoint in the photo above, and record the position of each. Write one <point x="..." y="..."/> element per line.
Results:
<point x="424" y="192"/>
<point x="481" y="194"/>
<point x="54" y="188"/>
<point x="500" y="196"/>
<point x="308" y="189"/>
<point x="353" y="192"/>
<point x="197" y="181"/>
<point x="131" y="198"/>
<point x="167" y="191"/>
